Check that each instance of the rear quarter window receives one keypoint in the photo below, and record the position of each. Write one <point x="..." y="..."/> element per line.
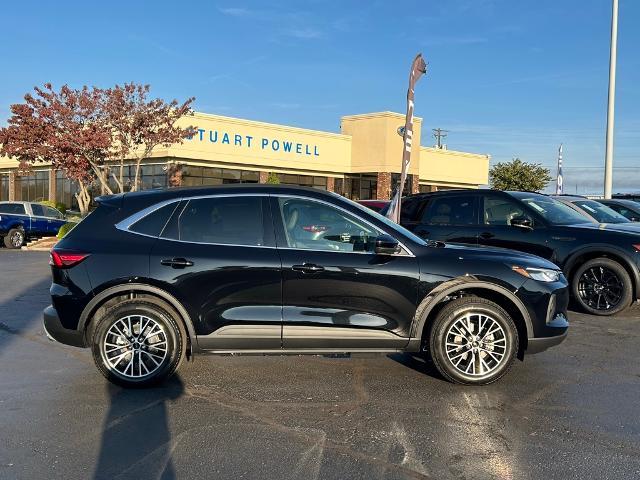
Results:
<point x="154" y="223"/>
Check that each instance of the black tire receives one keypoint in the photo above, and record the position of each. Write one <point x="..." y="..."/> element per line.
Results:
<point x="602" y="287"/>
<point x="465" y="353"/>
<point x="14" y="238"/>
<point x="172" y="331"/>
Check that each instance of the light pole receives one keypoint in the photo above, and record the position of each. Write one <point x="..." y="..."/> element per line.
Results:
<point x="608" y="161"/>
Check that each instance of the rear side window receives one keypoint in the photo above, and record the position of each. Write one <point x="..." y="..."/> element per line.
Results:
<point x="236" y="220"/>
<point x="153" y="223"/>
<point x="452" y="210"/>
<point x="37" y="209"/>
<point x="12" y="208"/>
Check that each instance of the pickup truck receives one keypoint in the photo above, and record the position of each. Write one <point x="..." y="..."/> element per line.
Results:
<point x="20" y="221"/>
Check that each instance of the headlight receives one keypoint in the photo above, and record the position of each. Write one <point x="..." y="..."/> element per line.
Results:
<point x="539" y="274"/>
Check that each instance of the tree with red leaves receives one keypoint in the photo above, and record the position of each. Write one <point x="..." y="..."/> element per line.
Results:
<point x="140" y="124"/>
<point x="65" y="128"/>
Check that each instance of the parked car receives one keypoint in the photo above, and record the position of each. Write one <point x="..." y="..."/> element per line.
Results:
<point x="375" y="205"/>
<point x="627" y="196"/>
<point x="627" y="208"/>
<point x="152" y="277"/>
<point x="21" y="221"/>
<point x="601" y="261"/>
<point x="593" y="209"/>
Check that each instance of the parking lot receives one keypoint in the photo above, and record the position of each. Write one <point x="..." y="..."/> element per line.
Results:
<point x="571" y="412"/>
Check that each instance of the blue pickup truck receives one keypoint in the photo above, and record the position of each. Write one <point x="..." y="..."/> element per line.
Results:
<point x="20" y="221"/>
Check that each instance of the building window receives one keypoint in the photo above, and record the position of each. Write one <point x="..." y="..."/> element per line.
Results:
<point x="303" y="180"/>
<point x="194" y="176"/>
<point x="4" y="186"/>
<point x="362" y="186"/>
<point x="34" y="187"/>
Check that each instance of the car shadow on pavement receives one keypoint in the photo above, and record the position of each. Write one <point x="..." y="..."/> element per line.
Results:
<point x="417" y="362"/>
<point x="136" y="439"/>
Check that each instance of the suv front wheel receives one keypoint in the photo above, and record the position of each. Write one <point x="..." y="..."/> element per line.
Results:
<point x="138" y="343"/>
<point x="602" y="287"/>
<point x="473" y="341"/>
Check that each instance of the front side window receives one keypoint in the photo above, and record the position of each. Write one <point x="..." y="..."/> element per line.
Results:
<point x="12" y="208"/>
<point x="235" y="220"/>
<point x="53" y="213"/>
<point x="451" y="210"/>
<point x="316" y="226"/>
<point x="500" y="211"/>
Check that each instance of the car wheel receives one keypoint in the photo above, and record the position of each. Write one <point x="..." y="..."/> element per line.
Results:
<point x="602" y="287"/>
<point x="14" y="238"/>
<point x="473" y="341"/>
<point x="138" y="343"/>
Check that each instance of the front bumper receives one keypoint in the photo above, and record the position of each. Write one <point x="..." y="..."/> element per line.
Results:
<point x="540" y="344"/>
<point x="55" y="331"/>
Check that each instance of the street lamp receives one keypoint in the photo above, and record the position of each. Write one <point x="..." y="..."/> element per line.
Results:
<point x="608" y="161"/>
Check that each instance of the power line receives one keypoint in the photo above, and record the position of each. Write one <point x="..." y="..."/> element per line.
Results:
<point x="439" y="134"/>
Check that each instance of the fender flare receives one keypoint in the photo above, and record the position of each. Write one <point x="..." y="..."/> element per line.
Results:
<point x="628" y="263"/>
<point x="138" y="287"/>
<point x="464" y="283"/>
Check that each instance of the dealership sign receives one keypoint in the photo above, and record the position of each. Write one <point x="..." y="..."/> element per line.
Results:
<point x="247" y="141"/>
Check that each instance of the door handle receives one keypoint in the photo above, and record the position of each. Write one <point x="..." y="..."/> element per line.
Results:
<point x="307" y="268"/>
<point x="176" y="262"/>
<point x="486" y="235"/>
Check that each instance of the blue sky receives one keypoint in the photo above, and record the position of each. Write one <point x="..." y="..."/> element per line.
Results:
<point x="506" y="77"/>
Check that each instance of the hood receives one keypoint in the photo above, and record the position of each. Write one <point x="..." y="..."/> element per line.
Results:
<point x="494" y="254"/>
<point x="630" y="227"/>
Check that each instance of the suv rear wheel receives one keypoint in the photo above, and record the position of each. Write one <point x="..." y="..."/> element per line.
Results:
<point x="602" y="287"/>
<point x="138" y="343"/>
<point x="473" y="341"/>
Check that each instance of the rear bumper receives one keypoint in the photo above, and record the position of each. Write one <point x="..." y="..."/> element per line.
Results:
<point x="55" y="331"/>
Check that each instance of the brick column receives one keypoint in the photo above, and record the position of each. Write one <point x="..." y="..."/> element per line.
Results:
<point x="14" y="186"/>
<point x="384" y="186"/>
<point x="263" y="177"/>
<point x="52" y="185"/>
<point x="414" y="182"/>
<point x="331" y="184"/>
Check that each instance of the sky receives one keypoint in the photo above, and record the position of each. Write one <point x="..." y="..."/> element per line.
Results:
<point x="508" y="78"/>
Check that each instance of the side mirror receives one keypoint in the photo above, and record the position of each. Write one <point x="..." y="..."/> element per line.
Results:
<point x="521" y="222"/>
<point x="386" y="245"/>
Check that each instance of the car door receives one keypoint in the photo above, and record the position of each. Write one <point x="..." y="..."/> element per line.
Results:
<point x="448" y="217"/>
<point x="55" y="220"/>
<point x="497" y="212"/>
<point x="39" y="223"/>
<point x="338" y="294"/>
<point x="217" y="255"/>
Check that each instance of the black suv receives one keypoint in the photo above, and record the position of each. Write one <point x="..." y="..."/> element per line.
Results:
<point x="601" y="261"/>
<point x="152" y="277"/>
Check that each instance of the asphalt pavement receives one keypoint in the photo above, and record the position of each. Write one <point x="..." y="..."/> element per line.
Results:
<point x="570" y="412"/>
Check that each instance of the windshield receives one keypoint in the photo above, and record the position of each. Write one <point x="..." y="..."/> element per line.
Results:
<point x="600" y="212"/>
<point x="555" y="212"/>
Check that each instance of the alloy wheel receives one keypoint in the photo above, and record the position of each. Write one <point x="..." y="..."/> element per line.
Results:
<point x="600" y="288"/>
<point x="17" y="239"/>
<point x="135" y="346"/>
<point x="476" y="344"/>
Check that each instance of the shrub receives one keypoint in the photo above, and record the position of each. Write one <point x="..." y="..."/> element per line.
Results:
<point x="64" y="229"/>
<point x="273" y="178"/>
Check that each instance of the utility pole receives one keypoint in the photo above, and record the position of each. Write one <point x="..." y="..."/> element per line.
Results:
<point x="608" y="162"/>
<point x="439" y="134"/>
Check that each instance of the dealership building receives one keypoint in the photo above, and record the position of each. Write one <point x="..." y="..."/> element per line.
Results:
<point x="362" y="162"/>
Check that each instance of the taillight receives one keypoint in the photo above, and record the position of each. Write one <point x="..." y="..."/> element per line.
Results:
<point x="637" y="247"/>
<point x="315" y="228"/>
<point x="65" y="259"/>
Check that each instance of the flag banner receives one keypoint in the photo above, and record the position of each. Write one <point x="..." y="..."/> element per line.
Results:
<point x="559" y="179"/>
<point x="418" y="68"/>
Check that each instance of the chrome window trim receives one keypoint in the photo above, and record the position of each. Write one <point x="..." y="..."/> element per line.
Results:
<point x="125" y="224"/>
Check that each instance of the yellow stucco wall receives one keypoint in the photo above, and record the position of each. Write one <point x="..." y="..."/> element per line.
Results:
<point x="376" y="145"/>
<point x="451" y="168"/>
<point x="369" y="143"/>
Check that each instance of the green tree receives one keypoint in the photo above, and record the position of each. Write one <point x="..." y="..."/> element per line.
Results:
<point x="519" y="175"/>
<point x="273" y="178"/>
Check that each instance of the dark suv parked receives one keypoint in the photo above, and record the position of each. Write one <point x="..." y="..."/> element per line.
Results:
<point x="151" y="277"/>
<point x="602" y="262"/>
